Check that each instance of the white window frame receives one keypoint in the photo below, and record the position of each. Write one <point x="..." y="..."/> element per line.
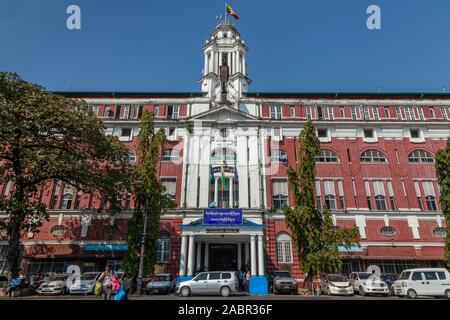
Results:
<point x="276" y="112"/>
<point x="284" y="248"/>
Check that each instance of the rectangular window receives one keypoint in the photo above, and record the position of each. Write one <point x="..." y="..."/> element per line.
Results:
<point x="322" y="133"/>
<point x="415" y="133"/>
<point x="409" y="113"/>
<point x="54" y="199"/>
<point x="330" y="113"/>
<point x="375" y="113"/>
<point x="420" y="112"/>
<point x="308" y="113"/>
<point x="126" y="112"/>
<point x="366" y="114"/>
<point x="95" y="110"/>
<point x="279" y="193"/>
<point x="368" y="133"/>
<point x="387" y="113"/>
<point x="107" y="112"/>
<point x="399" y="113"/>
<point x="444" y="113"/>
<point x="77" y="200"/>
<point x="170" y="184"/>
<point x="275" y="112"/>
<point x="353" y="112"/>
<point x="393" y="206"/>
<point x="126" y="132"/>
<point x="319" y="113"/>
<point x="172" y="112"/>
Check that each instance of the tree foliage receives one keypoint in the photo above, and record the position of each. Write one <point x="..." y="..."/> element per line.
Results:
<point x="150" y="198"/>
<point x="443" y="175"/>
<point x="317" y="239"/>
<point x="46" y="137"/>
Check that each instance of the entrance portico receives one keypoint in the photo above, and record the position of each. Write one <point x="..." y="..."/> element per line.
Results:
<point x="224" y="247"/>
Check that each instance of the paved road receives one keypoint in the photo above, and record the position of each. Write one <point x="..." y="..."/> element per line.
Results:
<point x="241" y="297"/>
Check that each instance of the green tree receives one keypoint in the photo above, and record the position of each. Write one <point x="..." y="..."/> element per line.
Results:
<point x="443" y="175"/>
<point x="150" y="200"/>
<point x="45" y="137"/>
<point x="316" y="239"/>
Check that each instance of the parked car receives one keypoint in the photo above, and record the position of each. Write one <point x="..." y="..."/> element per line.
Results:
<point x="390" y="278"/>
<point x="336" y="284"/>
<point x="87" y="283"/>
<point x="55" y="284"/>
<point x="282" y="281"/>
<point x="423" y="282"/>
<point x="215" y="283"/>
<point x="161" y="283"/>
<point x="368" y="283"/>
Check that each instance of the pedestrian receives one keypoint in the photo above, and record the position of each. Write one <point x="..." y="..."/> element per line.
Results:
<point x="247" y="280"/>
<point x="106" y="279"/>
<point x="14" y="285"/>
<point x="241" y="279"/>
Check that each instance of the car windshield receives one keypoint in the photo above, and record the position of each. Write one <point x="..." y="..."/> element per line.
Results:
<point x="404" y="275"/>
<point x="337" y="278"/>
<point x="88" y="276"/>
<point x="160" y="278"/>
<point x="364" y="275"/>
<point x="284" y="274"/>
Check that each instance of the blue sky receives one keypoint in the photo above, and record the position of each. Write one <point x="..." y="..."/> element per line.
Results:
<point x="295" y="45"/>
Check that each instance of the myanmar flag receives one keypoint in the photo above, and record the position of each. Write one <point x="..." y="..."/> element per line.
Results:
<point x="230" y="11"/>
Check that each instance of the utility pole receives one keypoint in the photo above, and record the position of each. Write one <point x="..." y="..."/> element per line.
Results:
<point x="142" y="254"/>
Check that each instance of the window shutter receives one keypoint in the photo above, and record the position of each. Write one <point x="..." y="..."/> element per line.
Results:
<point x="416" y="186"/>
<point x="367" y="187"/>
<point x="318" y="193"/>
<point x="390" y="190"/>
<point x="340" y="188"/>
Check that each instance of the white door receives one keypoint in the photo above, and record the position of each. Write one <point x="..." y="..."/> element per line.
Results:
<point x="433" y="284"/>
<point x="418" y="283"/>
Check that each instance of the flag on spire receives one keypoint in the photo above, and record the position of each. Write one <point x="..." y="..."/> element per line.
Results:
<point x="230" y="11"/>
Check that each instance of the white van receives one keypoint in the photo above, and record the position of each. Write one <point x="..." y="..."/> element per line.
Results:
<point x="433" y="282"/>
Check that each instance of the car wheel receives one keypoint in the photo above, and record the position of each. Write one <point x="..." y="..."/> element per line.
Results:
<point x="185" y="292"/>
<point x="411" y="294"/>
<point x="361" y="291"/>
<point x="63" y="291"/>
<point x="275" y="291"/>
<point x="225" y="291"/>
<point x="447" y="293"/>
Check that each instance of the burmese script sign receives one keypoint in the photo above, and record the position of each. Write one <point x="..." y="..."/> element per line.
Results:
<point x="221" y="230"/>
<point x="222" y="216"/>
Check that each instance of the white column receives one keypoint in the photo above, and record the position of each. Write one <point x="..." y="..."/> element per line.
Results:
<point x="229" y="62"/>
<point x="247" y="253"/>
<point x="190" y="269"/>
<point x="231" y="192"/>
<point x="206" y="264"/>
<point x="216" y="191"/>
<point x="253" y="255"/>
<point x="238" y="69"/>
<point x="205" y="70"/>
<point x="244" y="67"/>
<point x="183" y="256"/>
<point x="239" y="257"/>
<point x="220" y="60"/>
<point x="199" y="256"/>
<point x="260" y="255"/>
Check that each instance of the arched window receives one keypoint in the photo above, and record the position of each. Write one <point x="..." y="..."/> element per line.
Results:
<point x="420" y="156"/>
<point x="163" y="248"/>
<point x="170" y="155"/>
<point x="156" y="111"/>
<point x="223" y="155"/>
<point x="326" y="155"/>
<point x="373" y="156"/>
<point x="284" y="248"/>
<point x="278" y="155"/>
<point x="292" y="112"/>
<point x="388" y="231"/>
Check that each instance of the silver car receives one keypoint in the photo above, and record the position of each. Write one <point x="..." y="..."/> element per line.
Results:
<point x="221" y="283"/>
<point x="54" y="285"/>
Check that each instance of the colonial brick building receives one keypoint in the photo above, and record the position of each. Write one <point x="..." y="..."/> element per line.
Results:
<point x="375" y="171"/>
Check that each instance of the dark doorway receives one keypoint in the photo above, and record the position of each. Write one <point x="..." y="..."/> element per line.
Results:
<point x="222" y="257"/>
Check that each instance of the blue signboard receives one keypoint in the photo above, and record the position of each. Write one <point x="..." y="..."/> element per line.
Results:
<point x="105" y="247"/>
<point x="222" y="216"/>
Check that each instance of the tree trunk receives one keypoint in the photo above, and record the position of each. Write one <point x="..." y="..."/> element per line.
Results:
<point x="13" y="256"/>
